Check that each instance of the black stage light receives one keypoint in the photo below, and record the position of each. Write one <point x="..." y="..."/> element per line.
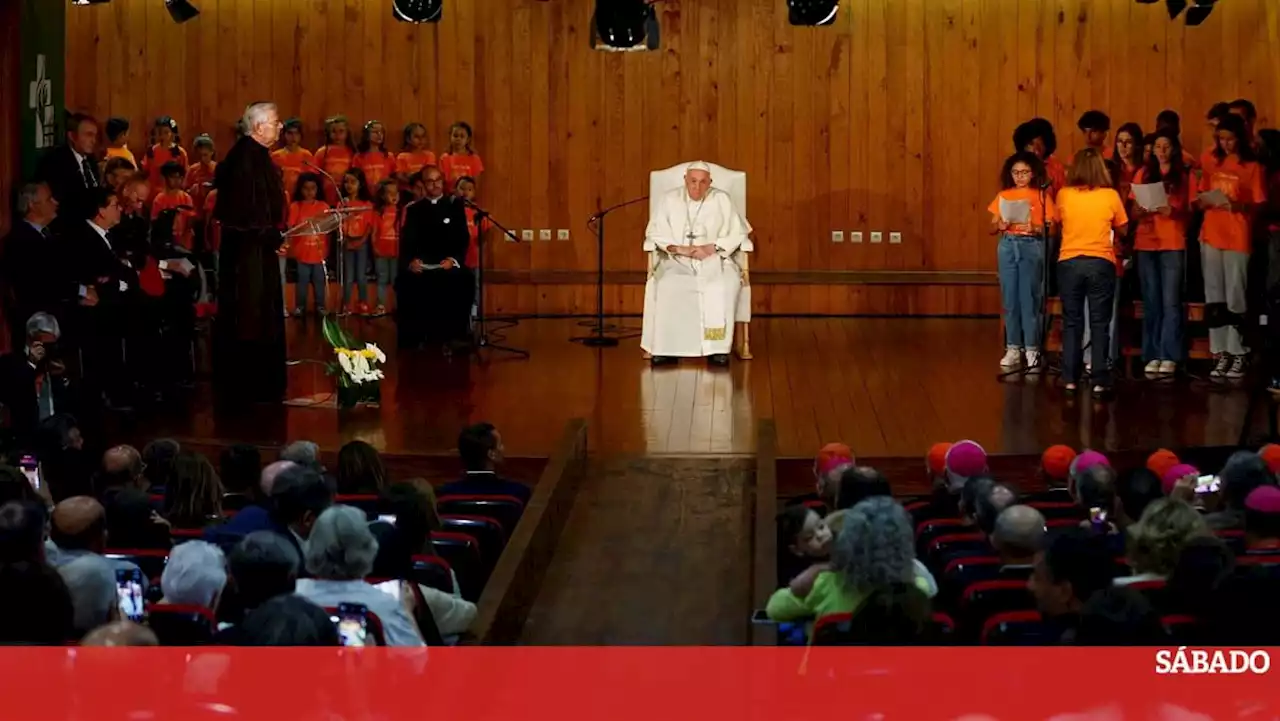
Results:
<point x="417" y="11"/>
<point x="180" y="10"/>
<point x="812" y="12"/>
<point x="1175" y="7"/>
<point x="1199" y="12"/>
<point x="622" y="24"/>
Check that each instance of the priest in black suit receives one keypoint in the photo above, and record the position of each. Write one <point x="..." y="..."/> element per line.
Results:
<point x="71" y="169"/>
<point x="434" y="289"/>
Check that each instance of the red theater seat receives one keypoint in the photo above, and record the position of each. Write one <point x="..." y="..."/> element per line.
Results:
<point x="503" y="509"/>
<point x="177" y="625"/>
<point x="1013" y="628"/>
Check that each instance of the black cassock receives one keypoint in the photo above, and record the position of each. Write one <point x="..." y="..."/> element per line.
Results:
<point x="434" y="306"/>
<point x="248" y="333"/>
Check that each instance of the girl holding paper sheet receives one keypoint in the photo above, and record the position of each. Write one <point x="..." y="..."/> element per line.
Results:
<point x="1160" y="241"/>
<point x="1019" y="217"/>
<point x="1233" y="170"/>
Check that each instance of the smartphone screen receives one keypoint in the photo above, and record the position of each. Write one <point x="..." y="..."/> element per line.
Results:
<point x="1097" y="517"/>
<point x="353" y="624"/>
<point x="31" y="469"/>
<point x="1207" y="484"/>
<point x="388" y="519"/>
<point x="129" y="593"/>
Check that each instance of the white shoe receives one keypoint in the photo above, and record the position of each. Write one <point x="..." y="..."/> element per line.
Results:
<point x="1012" y="357"/>
<point x="1033" y="361"/>
<point x="1236" y="369"/>
<point x="1168" y="368"/>
<point x="1220" y="366"/>
<point x="1152" y="368"/>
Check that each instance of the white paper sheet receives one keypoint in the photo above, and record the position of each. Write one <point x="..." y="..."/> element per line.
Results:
<point x="1214" y="199"/>
<point x="1015" y="211"/>
<point x="1151" y="196"/>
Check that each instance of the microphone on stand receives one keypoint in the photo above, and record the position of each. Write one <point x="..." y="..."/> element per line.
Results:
<point x="481" y="214"/>
<point x="610" y="209"/>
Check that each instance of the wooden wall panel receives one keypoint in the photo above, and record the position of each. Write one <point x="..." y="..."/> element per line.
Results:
<point x="895" y="118"/>
<point x="11" y="104"/>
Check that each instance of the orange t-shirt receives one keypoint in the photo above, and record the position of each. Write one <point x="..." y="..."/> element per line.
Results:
<point x="386" y="236"/>
<point x="1124" y="177"/>
<point x="123" y="152"/>
<point x="376" y="166"/>
<point x="356" y="226"/>
<point x="410" y="162"/>
<point x="212" y="228"/>
<point x="334" y="160"/>
<point x="1049" y="211"/>
<point x="182" y="233"/>
<point x="291" y="165"/>
<point x="197" y="177"/>
<point x="1056" y="172"/>
<point x="458" y="166"/>
<point x="155" y="159"/>
<point x="1242" y="183"/>
<point x="1089" y="215"/>
<point x="310" y="249"/>
<point x="1159" y="232"/>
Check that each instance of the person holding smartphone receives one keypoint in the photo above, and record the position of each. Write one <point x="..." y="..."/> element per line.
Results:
<point x="33" y="379"/>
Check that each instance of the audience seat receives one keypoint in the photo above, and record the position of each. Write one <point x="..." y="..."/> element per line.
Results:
<point x="835" y="629"/>
<point x="1154" y="591"/>
<point x="927" y="531"/>
<point x="177" y="625"/>
<point x="505" y="510"/>
<point x="374" y="627"/>
<point x="944" y="549"/>
<point x="366" y="502"/>
<point x="487" y="532"/>
<point x="960" y="573"/>
<point x="1052" y="495"/>
<point x="984" y="599"/>
<point x="1233" y="538"/>
<point x="433" y="571"/>
<point x="1052" y="510"/>
<point x="233" y="502"/>
<point x="1014" y="628"/>
<point x="463" y="554"/>
<point x="182" y="535"/>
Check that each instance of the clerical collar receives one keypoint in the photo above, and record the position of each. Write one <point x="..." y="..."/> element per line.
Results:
<point x="435" y="200"/>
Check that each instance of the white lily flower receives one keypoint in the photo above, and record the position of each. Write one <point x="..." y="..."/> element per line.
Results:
<point x="377" y="352"/>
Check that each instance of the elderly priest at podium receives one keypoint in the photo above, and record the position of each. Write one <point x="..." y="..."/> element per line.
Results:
<point x="689" y="310"/>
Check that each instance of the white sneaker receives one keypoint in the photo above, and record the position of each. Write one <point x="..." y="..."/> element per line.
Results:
<point x="1152" y="368"/>
<point x="1220" y="366"/>
<point x="1012" y="357"/>
<point x="1168" y="368"/>
<point x="1236" y="369"/>
<point x="1033" y="361"/>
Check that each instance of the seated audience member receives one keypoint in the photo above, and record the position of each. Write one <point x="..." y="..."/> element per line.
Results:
<point x="1181" y="474"/>
<point x="875" y="550"/>
<point x="304" y="453"/>
<point x="240" y="468"/>
<point x="91" y="581"/>
<point x="34" y="384"/>
<point x="193" y="492"/>
<point x="64" y="465"/>
<point x="1137" y="488"/>
<point x="360" y="469"/>
<point x="1119" y="617"/>
<point x="1055" y="469"/>
<point x="965" y="459"/>
<point x="1161" y="461"/>
<point x="257" y="516"/>
<point x="121" y="633"/>
<point x="973" y="488"/>
<point x="157" y="459"/>
<point x="935" y="463"/>
<point x="991" y="504"/>
<point x="261" y="567"/>
<point x="1096" y="494"/>
<point x="1083" y="462"/>
<point x="339" y="554"/>
<point x="1018" y="535"/>
<point x="22" y="525"/>
<point x="78" y="528"/>
<point x="194" y="576"/>
<point x="288" y="620"/>
<point x="1270" y="455"/>
<point x="803" y="540"/>
<point x="121" y="468"/>
<point x="1243" y="472"/>
<point x="14" y="486"/>
<point x="1203" y="566"/>
<point x="1262" y="520"/>
<point x="1156" y="540"/>
<point x="480" y="447"/>
<point x="132" y="521"/>
<point x="1075" y="566"/>
<point x="858" y="483"/>
<point x="35" y="608"/>
<point x="298" y="497"/>
<point x="828" y="466"/>
<point x="893" y="615"/>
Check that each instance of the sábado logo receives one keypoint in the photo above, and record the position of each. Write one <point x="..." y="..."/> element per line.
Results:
<point x="1203" y="660"/>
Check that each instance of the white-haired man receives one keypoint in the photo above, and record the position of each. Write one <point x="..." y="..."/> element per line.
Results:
<point x="694" y="231"/>
<point x="33" y="379"/>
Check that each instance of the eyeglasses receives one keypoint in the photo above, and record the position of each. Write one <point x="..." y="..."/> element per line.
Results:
<point x="1022" y="172"/>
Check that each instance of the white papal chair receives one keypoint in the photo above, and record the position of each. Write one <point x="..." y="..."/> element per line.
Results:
<point x="733" y="182"/>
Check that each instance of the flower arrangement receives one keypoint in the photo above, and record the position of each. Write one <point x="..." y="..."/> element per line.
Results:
<point x="356" y="370"/>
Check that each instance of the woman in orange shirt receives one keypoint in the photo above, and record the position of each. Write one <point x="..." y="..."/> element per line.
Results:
<point x="1020" y="257"/>
<point x="200" y="175"/>
<point x="414" y="156"/>
<point x="355" y="252"/>
<point x="336" y="155"/>
<point x="461" y="160"/>
<point x="1225" y="236"/>
<point x="309" y="251"/>
<point x="1160" y="242"/>
<point x="292" y="159"/>
<point x="1092" y="215"/>
<point x="166" y="146"/>
<point x="386" y="239"/>
<point x="372" y="156"/>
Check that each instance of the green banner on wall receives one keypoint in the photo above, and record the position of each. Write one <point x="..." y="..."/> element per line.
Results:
<point x="43" y="103"/>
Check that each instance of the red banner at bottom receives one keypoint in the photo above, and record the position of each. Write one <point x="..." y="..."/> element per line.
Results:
<point x="626" y="683"/>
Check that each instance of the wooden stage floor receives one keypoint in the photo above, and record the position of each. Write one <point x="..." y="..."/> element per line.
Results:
<point x="888" y="387"/>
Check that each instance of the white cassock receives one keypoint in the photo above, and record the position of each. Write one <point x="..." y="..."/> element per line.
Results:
<point x="689" y="311"/>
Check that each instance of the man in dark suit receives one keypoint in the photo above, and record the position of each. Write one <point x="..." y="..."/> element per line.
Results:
<point x="480" y="446"/>
<point x="434" y="289"/>
<point x="71" y="170"/>
<point x="35" y="264"/>
<point x="98" y="265"/>
<point x="33" y="379"/>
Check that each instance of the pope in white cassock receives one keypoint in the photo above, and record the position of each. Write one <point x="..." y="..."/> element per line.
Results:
<point x="694" y="231"/>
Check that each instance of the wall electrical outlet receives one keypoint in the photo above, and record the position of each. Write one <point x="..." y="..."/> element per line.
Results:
<point x="855" y="236"/>
<point x="562" y="234"/>
<point x="895" y="237"/>
<point x="837" y="236"/>
<point x="526" y="234"/>
<point x="877" y="236"/>
<point x="544" y="234"/>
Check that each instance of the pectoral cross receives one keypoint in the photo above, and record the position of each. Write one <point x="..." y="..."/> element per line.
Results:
<point x="692" y="237"/>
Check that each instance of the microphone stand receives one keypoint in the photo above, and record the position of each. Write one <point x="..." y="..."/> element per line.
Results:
<point x="597" y="338"/>
<point x="341" y="238"/>
<point x="480" y="334"/>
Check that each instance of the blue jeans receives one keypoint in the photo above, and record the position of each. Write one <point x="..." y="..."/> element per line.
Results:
<point x="1093" y="278"/>
<point x="310" y="274"/>
<point x="386" y="269"/>
<point x="355" y="271"/>
<point x="1160" y="273"/>
<point x="1021" y="263"/>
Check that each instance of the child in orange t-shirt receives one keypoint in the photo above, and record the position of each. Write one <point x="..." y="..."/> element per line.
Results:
<point x="467" y="190"/>
<point x="386" y="239"/>
<point x="200" y="175"/>
<point x="117" y="131"/>
<point x="1160" y="240"/>
<point x="356" y="229"/>
<point x="461" y="160"/>
<point x="414" y="156"/>
<point x="292" y="159"/>
<point x="335" y="156"/>
<point x="1020" y="256"/>
<point x="310" y="251"/>
<point x="174" y="198"/>
<point x="1225" y="237"/>
<point x="166" y="146"/>
<point x="372" y="156"/>
<point x="212" y="228"/>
